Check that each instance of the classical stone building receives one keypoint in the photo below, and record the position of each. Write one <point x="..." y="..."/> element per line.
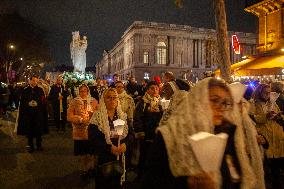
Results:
<point x="148" y="49"/>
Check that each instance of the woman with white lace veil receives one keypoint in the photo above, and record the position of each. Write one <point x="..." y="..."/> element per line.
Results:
<point x="172" y="163"/>
<point x="104" y="138"/>
<point x="269" y="125"/>
<point x="79" y="112"/>
<point x="241" y="118"/>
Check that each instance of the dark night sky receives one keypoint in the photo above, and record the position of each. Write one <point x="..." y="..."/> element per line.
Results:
<point x="104" y="21"/>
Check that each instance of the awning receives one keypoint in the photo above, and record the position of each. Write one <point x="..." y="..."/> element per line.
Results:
<point x="257" y="66"/>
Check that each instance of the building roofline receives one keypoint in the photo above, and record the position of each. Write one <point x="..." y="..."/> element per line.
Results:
<point x="168" y="26"/>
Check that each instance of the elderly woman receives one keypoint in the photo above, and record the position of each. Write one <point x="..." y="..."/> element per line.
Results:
<point x="79" y="113"/>
<point x="278" y="87"/>
<point x="104" y="139"/>
<point x="172" y="163"/>
<point x="267" y="116"/>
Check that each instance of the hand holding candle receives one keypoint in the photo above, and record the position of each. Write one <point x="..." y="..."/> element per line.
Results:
<point x="165" y="104"/>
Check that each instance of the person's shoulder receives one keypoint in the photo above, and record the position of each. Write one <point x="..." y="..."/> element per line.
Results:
<point x="128" y="96"/>
<point x="27" y="88"/>
<point x="75" y="100"/>
<point x="39" y="88"/>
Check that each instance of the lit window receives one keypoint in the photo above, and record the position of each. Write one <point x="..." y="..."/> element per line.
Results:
<point x="146" y="57"/>
<point x="161" y="53"/>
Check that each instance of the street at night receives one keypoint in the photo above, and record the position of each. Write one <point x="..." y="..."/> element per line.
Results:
<point x="55" y="167"/>
<point x="142" y="94"/>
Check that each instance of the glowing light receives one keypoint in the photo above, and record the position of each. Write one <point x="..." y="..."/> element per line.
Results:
<point x="12" y="46"/>
<point x="21" y="58"/>
<point x="251" y="84"/>
<point x="235" y="44"/>
<point x="282" y="49"/>
<point x="244" y="57"/>
<point x="146" y="75"/>
<point x="218" y="77"/>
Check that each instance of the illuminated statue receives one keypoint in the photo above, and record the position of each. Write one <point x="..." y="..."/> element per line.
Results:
<point x="78" y="52"/>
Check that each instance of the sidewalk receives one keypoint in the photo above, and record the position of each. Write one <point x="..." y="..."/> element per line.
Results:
<point x="55" y="167"/>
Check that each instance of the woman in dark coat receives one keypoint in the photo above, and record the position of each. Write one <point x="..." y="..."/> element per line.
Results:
<point x="104" y="138"/>
<point x="147" y="115"/>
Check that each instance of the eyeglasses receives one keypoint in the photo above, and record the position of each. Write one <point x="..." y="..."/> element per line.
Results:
<point x="111" y="98"/>
<point x="219" y="103"/>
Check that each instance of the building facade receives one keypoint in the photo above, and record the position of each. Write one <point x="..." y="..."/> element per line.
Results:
<point x="149" y="49"/>
<point x="270" y="15"/>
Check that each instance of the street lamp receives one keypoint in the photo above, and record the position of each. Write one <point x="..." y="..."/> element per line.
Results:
<point x="10" y="54"/>
<point x="21" y="59"/>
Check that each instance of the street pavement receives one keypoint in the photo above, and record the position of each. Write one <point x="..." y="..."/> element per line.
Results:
<point x="55" y="167"/>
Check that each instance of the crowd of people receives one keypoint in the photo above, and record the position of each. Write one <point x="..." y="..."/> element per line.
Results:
<point x="120" y="126"/>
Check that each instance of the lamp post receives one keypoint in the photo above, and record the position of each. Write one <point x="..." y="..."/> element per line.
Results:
<point x="11" y="53"/>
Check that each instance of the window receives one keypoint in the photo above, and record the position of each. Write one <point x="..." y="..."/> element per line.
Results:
<point x="161" y="53"/>
<point x="146" y="57"/>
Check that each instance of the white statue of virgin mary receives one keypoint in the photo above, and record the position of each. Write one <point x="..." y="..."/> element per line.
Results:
<point x="78" y="52"/>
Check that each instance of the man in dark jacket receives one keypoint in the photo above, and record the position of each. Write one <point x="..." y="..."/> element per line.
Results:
<point x="132" y="89"/>
<point x="58" y="97"/>
<point x="115" y="78"/>
<point x="32" y="122"/>
<point x="97" y="91"/>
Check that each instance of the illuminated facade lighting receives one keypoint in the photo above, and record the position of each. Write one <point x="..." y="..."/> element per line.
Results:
<point x="236" y="44"/>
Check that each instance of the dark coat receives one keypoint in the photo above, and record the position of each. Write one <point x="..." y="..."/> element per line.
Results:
<point x="280" y="102"/>
<point x="98" y="145"/>
<point x="145" y="121"/>
<point x="53" y="97"/>
<point x="96" y="91"/>
<point x="131" y="88"/>
<point x="157" y="171"/>
<point x="32" y="120"/>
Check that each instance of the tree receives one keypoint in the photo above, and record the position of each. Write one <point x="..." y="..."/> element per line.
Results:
<point x="30" y="43"/>
<point x="222" y="38"/>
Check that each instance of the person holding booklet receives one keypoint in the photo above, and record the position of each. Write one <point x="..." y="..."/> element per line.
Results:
<point x="269" y="124"/>
<point x="172" y="162"/>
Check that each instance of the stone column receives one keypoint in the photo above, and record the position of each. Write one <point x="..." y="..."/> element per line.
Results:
<point x="171" y="46"/>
